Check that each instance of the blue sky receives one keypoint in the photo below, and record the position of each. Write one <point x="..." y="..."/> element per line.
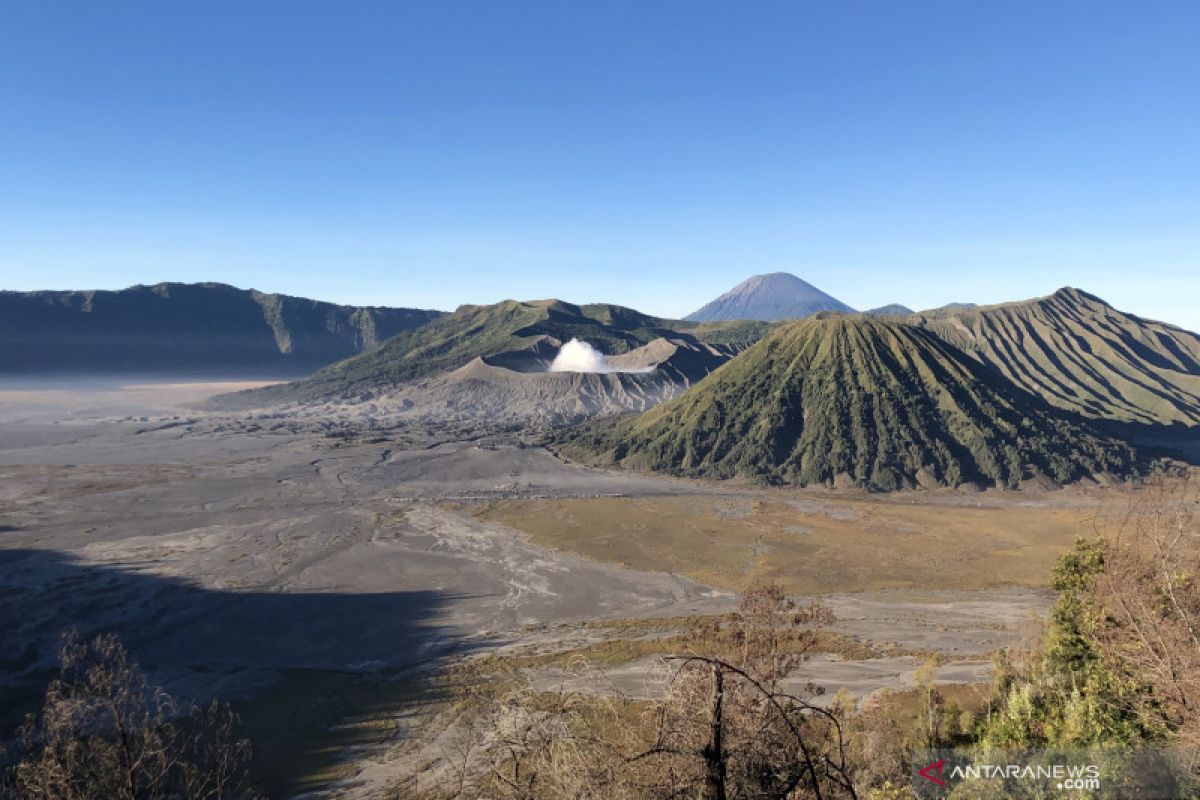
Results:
<point x="647" y="153"/>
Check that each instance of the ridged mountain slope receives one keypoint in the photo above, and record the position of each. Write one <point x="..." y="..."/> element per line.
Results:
<point x="1081" y="354"/>
<point x="855" y="400"/>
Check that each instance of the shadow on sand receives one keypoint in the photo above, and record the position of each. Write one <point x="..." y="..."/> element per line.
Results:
<point x="312" y="673"/>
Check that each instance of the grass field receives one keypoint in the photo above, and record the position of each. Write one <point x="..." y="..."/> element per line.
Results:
<point x="819" y="543"/>
<point x="660" y="637"/>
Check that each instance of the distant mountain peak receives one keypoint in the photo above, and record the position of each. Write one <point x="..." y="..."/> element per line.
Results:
<point x="769" y="297"/>
<point x="1077" y="295"/>
<point x="890" y="310"/>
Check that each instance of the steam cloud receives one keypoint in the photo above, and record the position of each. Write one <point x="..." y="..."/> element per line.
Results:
<point x="577" y="356"/>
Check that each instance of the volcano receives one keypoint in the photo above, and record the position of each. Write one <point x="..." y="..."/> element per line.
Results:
<point x="771" y="297"/>
<point x="859" y="401"/>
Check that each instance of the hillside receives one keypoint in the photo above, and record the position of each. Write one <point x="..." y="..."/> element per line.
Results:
<point x="890" y="310"/>
<point x="772" y="297"/>
<point x="174" y="327"/>
<point x="517" y="387"/>
<point x="949" y="308"/>
<point x="857" y="401"/>
<point x="1081" y="354"/>
<point x="474" y="332"/>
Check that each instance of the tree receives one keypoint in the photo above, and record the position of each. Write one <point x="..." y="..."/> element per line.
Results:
<point x="1119" y="663"/>
<point x="932" y="704"/>
<point x="1068" y="693"/>
<point x="105" y="731"/>
<point x="726" y="727"/>
<point x="724" y="733"/>
<point x="1149" y="602"/>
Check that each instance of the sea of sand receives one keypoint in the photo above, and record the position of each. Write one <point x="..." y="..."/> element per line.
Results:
<point x="229" y="551"/>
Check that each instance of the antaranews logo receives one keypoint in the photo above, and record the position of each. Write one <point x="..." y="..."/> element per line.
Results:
<point x="1148" y="774"/>
<point x="928" y="772"/>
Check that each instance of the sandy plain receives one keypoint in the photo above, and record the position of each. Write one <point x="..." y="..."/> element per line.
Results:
<point x="315" y="570"/>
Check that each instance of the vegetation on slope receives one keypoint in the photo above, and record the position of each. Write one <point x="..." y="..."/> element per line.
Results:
<point x="854" y="400"/>
<point x="1118" y="666"/>
<point x="473" y="331"/>
<point x="1081" y="354"/>
<point x="743" y="331"/>
<point x="1120" y="659"/>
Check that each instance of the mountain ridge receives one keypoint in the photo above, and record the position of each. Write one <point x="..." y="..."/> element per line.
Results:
<point x="182" y="327"/>
<point x="1083" y="355"/>
<point x="890" y="310"/>
<point x="517" y="386"/>
<point x="474" y="331"/>
<point x="858" y="401"/>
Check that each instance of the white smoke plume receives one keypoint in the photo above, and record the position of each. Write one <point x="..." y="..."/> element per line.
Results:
<point x="577" y="356"/>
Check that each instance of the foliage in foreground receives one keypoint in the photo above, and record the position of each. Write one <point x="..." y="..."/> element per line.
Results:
<point x="1117" y="666"/>
<point x="726" y="727"/>
<point x="106" y="732"/>
<point x="1120" y="660"/>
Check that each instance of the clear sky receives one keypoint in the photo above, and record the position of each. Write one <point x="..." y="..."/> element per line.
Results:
<point x="644" y="152"/>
